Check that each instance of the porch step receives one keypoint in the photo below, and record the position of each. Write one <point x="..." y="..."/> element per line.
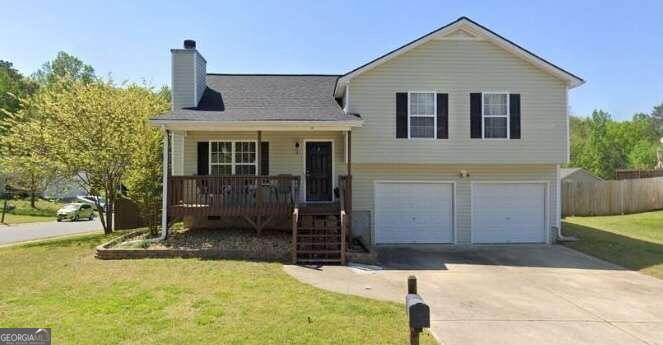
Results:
<point x="319" y="238"/>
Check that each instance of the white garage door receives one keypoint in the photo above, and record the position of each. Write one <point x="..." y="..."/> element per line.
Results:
<point x="508" y="213"/>
<point x="407" y="212"/>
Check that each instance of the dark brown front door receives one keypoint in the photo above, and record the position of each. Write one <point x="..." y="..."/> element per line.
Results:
<point x="319" y="171"/>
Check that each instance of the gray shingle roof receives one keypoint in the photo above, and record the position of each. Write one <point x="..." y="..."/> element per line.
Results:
<point x="260" y="97"/>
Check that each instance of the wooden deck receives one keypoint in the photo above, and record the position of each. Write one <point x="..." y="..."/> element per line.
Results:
<point x="320" y="230"/>
<point x="232" y="195"/>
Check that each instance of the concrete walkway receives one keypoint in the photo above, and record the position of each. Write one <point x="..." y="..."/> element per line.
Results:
<point x="36" y="231"/>
<point x="512" y="295"/>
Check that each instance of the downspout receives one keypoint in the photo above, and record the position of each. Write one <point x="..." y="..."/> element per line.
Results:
<point x="164" y="188"/>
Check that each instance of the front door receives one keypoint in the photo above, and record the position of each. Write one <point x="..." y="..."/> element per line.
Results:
<point x="319" y="171"/>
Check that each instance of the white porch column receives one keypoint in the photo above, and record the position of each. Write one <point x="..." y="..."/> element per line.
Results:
<point x="164" y="198"/>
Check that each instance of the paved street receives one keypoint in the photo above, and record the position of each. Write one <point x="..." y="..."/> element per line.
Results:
<point x="36" y="231"/>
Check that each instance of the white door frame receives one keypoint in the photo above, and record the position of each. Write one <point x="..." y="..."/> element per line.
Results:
<point x="546" y="197"/>
<point x="454" y="232"/>
<point x="334" y="177"/>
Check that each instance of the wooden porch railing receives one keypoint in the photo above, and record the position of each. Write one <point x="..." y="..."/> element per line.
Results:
<point x="249" y="196"/>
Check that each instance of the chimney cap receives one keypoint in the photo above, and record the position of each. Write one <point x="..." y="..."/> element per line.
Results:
<point x="189" y="44"/>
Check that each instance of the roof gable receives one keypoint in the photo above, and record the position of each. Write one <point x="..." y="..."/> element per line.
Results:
<point x="466" y="29"/>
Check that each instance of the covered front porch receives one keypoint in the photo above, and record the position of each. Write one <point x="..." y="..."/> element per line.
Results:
<point x="267" y="178"/>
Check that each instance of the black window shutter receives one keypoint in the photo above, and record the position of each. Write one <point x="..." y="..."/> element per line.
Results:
<point x="514" y="115"/>
<point x="203" y="158"/>
<point x="401" y="115"/>
<point x="264" y="158"/>
<point x="442" y="116"/>
<point x="475" y="115"/>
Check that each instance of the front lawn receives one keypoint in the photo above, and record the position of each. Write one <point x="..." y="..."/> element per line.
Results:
<point x="23" y="213"/>
<point x="11" y="218"/>
<point x="633" y="241"/>
<point x="59" y="284"/>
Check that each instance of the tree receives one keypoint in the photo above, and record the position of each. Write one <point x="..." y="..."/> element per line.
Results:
<point x="642" y="155"/>
<point x="23" y="161"/>
<point x="13" y="88"/>
<point x="657" y="116"/>
<point x="600" y="154"/>
<point x="64" y="66"/>
<point x="144" y="173"/>
<point x="91" y="129"/>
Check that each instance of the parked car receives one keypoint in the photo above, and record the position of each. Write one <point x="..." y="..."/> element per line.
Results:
<point x="92" y="200"/>
<point x="75" y="211"/>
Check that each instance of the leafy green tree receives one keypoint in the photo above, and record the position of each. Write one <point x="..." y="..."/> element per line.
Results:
<point x="657" y="116"/>
<point x="144" y="173"/>
<point x="600" y="154"/>
<point x="642" y="155"/>
<point x="23" y="162"/>
<point x="13" y="88"/>
<point x="64" y="66"/>
<point x="601" y="145"/>
<point x="90" y="129"/>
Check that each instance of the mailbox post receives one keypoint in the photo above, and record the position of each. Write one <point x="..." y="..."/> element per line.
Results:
<point x="418" y="312"/>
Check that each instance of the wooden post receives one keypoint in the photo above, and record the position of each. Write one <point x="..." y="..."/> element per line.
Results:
<point x="412" y="289"/>
<point x="4" y="210"/>
<point x="414" y="337"/>
<point x="258" y="158"/>
<point x="259" y="184"/>
<point x="411" y="285"/>
<point x="349" y="149"/>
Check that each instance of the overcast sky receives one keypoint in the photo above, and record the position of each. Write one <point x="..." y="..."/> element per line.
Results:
<point x="617" y="46"/>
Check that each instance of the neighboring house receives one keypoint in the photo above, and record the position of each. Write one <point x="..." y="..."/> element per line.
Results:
<point x="64" y="189"/>
<point x="456" y="137"/>
<point x="578" y="175"/>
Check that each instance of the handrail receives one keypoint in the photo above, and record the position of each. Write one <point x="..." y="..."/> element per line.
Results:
<point x="344" y="215"/>
<point x="241" y="195"/>
<point x="294" y="194"/>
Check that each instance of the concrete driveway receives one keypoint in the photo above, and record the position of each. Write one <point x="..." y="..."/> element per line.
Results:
<point x="511" y="295"/>
<point x="36" y="231"/>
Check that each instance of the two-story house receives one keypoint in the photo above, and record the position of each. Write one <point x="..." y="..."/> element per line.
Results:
<point x="454" y="138"/>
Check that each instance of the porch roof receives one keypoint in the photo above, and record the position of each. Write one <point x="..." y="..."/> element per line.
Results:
<point x="233" y="98"/>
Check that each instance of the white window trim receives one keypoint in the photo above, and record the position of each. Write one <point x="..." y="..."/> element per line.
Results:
<point x="434" y="116"/>
<point x="508" y="115"/>
<point x="232" y="164"/>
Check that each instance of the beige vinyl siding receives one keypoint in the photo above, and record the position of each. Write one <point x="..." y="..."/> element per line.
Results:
<point x="365" y="175"/>
<point x="182" y="82"/>
<point x="459" y="67"/>
<point x="201" y="77"/>
<point x="177" y="152"/>
<point x="283" y="157"/>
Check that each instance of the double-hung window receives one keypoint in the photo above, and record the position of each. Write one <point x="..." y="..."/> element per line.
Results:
<point x="232" y="158"/>
<point x="495" y="115"/>
<point x="421" y="115"/>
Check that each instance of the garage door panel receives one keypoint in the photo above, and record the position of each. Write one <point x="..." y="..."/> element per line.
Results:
<point x="408" y="212"/>
<point x="508" y="213"/>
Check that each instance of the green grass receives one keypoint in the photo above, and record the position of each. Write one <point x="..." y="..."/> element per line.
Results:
<point x="20" y="219"/>
<point x="59" y="284"/>
<point x="23" y="213"/>
<point x="633" y="241"/>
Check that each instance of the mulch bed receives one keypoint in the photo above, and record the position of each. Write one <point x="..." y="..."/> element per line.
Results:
<point x="200" y="243"/>
<point x="226" y="240"/>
